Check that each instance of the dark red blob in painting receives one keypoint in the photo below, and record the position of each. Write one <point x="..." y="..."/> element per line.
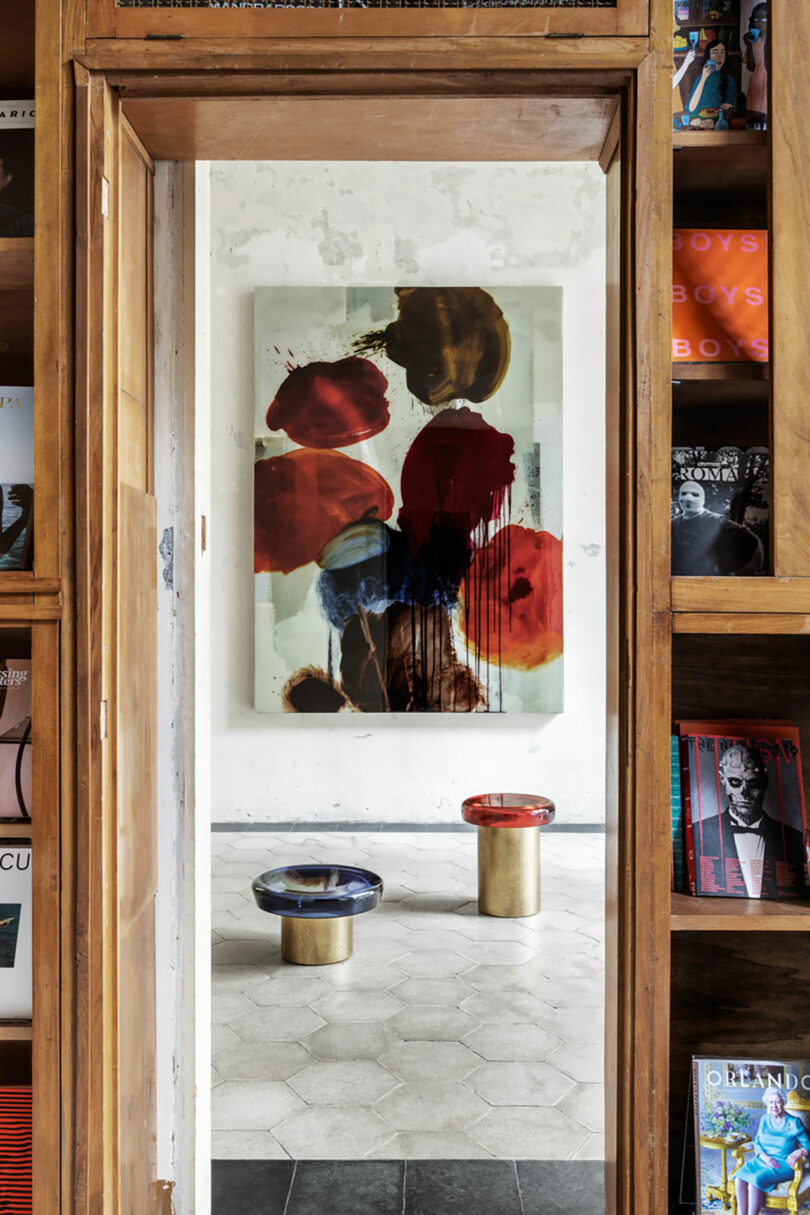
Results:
<point x="331" y="404"/>
<point x="512" y="598"/>
<point x="403" y="660"/>
<point x="455" y="476"/>
<point x="304" y="498"/>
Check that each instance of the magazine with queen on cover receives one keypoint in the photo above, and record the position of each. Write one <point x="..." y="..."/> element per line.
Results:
<point x="751" y="1120"/>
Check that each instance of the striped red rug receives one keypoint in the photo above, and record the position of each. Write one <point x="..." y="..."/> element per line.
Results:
<point x="15" y="1151"/>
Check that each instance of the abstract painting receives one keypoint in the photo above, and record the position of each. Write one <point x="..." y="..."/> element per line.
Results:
<point x="408" y="500"/>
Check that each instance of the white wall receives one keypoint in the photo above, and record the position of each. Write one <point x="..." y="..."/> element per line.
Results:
<point x="305" y="224"/>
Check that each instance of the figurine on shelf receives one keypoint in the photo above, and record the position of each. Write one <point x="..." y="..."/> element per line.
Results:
<point x="714" y="90"/>
<point x="756" y="61"/>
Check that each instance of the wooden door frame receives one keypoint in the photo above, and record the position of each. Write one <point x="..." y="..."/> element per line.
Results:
<point x="638" y="383"/>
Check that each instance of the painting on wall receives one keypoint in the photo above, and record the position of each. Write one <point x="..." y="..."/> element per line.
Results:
<point x="408" y="500"/>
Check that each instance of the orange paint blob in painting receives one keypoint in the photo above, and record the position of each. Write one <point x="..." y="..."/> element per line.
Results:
<point x="512" y="598"/>
<point x="304" y="498"/>
<point x="331" y="404"/>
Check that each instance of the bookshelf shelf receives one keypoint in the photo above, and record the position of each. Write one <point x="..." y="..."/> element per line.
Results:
<point x="738" y="372"/>
<point x="741" y="622"/>
<point x="742" y="598"/>
<point x="729" y="141"/>
<point x="689" y="914"/>
<point x="15" y="830"/>
<point x="18" y="1032"/>
<point x="17" y="264"/>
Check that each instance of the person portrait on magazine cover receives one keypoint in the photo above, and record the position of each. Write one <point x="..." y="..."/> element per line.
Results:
<point x="780" y="1142"/>
<point x="744" y="830"/>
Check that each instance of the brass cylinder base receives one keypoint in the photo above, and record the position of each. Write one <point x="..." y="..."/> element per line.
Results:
<point x="311" y="942"/>
<point x="509" y="871"/>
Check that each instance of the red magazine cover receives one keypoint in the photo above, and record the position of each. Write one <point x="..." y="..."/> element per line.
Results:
<point x="744" y="812"/>
<point x="15" y="1150"/>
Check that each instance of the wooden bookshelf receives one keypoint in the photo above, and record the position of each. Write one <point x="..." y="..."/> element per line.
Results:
<point x="14" y="829"/>
<point x="741" y="597"/>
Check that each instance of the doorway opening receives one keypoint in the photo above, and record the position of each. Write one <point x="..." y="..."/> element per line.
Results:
<point x="449" y="1037"/>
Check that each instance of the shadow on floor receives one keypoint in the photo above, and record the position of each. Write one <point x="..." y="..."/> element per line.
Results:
<point x="413" y="1187"/>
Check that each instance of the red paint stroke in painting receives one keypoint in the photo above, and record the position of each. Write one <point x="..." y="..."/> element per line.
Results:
<point x="304" y="498"/>
<point x="456" y="473"/>
<point x="328" y="405"/>
<point x="512" y="598"/>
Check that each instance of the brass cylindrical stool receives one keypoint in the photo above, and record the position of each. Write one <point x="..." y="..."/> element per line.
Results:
<point x="508" y="850"/>
<point x="316" y="942"/>
<point x="317" y="905"/>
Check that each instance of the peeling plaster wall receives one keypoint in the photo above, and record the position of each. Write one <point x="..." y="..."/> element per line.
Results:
<point x="310" y="224"/>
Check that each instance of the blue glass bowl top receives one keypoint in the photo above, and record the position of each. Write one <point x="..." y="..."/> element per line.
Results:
<point x="317" y="892"/>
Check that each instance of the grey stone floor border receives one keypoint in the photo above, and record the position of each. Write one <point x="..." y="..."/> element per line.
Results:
<point x="413" y="1187"/>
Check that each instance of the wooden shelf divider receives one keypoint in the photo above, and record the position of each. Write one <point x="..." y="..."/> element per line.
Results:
<point x="745" y="369"/>
<point x="741" y="598"/>
<point x="691" y="914"/>
<point x="17" y="263"/>
<point x="16" y="828"/>
<point x="21" y="1031"/>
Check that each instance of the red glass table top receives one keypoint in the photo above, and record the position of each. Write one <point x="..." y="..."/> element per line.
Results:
<point x="508" y="810"/>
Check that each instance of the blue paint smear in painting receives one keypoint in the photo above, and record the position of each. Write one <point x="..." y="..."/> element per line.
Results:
<point x="430" y="578"/>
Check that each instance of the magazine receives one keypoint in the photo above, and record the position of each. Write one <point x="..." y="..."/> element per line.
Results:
<point x="15" y="738"/>
<point x="16" y="477"/>
<point x="707" y="66"/>
<point x="744" y="812"/>
<point x="15" y="1157"/>
<point x="678" y="882"/>
<point x="719" y="295"/>
<point x="751" y="1130"/>
<point x="720" y="511"/>
<point x="15" y="931"/>
<point x="16" y="168"/>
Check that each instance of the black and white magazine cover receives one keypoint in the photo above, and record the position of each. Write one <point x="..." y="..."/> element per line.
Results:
<point x="720" y="511"/>
<point x="15" y="738"/>
<point x="16" y="168"/>
<point x="15" y="931"/>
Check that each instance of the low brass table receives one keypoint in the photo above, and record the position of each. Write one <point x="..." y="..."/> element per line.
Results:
<point x="508" y="850"/>
<point x="317" y="904"/>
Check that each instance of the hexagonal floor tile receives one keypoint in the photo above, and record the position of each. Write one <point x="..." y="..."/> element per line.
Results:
<point x="275" y="1024"/>
<point x="447" y="992"/>
<point x="433" y="964"/>
<point x="328" y="1134"/>
<point x="431" y="1023"/>
<point x="520" y="1084"/>
<point x="499" y="1008"/>
<point x="363" y="974"/>
<point x="351" y="1082"/>
<point x="251" y="1105"/>
<point x="576" y="1024"/>
<point x="586" y="1104"/>
<point x="283" y="987"/>
<point x="430" y="1061"/>
<point x="529" y="1132"/>
<point x="246" y="1145"/>
<point x="435" y="1145"/>
<point x="431" y="1107"/>
<point x="585" y="1063"/>
<point x="501" y="978"/>
<point x="500" y="953"/>
<point x="341" y="1006"/>
<point x="354" y="1040"/>
<point x="262" y="1060"/>
<point x="512" y="1043"/>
